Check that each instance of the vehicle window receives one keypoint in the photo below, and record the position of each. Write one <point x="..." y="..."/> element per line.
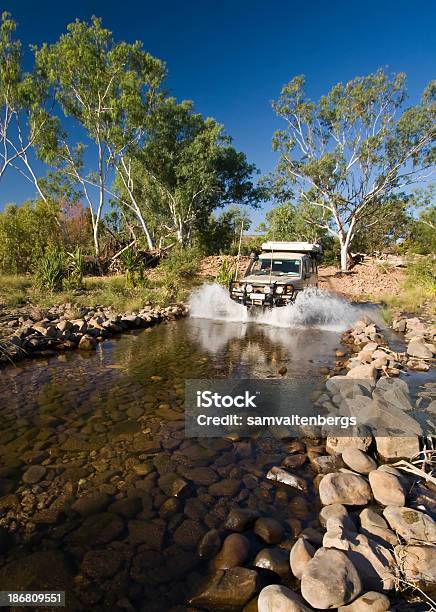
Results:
<point x="279" y="266"/>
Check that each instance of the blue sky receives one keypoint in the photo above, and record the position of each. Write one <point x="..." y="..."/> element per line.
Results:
<point x="233" y="56"/>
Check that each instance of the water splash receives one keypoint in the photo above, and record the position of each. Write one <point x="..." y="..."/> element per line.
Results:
<point x="312" y="308"/>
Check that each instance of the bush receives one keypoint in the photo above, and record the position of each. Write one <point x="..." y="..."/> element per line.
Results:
<point x="179" y="269"/>
<point x="51" y="270"/>
<point x="76" y="269"/>
<point x="226" y="273"/>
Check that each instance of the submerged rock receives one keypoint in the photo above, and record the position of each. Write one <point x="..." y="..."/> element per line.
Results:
<point x="269" y="530"/>
<point x="227" y="589"/>
<point x="234" y="552"/>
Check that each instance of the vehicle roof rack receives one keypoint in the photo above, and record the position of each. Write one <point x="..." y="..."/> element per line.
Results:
<point x="293" y="247"/>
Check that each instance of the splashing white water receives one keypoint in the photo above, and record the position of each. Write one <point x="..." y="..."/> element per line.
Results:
<point x="312" y="308"/>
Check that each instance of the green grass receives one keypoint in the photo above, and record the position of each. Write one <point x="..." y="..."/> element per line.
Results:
<point x="164" y="288"/>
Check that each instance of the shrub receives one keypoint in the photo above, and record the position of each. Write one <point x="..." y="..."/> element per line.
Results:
<point x="51" y="270"/>
<point x="226" y="273"/>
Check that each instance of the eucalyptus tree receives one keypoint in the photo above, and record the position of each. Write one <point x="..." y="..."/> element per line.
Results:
<point x="353" y="148"/>
<point x="186" y="169"/>
<point x="107" y="88"/>
<point x="26" y="119"/>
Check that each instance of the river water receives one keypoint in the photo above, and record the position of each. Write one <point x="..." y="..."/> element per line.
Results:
<point x="107" y="428"/>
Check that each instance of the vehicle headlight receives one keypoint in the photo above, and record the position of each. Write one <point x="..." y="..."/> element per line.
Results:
<point x="289" y="288"/>
<point x="267" y="289"/>
<point x="249" y="287"/>
<point x="280" y="289"/>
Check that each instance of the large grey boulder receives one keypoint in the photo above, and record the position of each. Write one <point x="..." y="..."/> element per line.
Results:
<point x="411" y="524"/>
<point x="387" y="487"/>
<point x="330" y="580"/>
<point x="344" y="488"/>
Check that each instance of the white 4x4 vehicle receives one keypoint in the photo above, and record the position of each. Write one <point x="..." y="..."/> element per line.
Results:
<point x="275" y="277"/>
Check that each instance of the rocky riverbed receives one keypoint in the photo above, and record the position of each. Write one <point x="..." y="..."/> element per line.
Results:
<point x="39" y="333"/>
<point x="103" y="496"/>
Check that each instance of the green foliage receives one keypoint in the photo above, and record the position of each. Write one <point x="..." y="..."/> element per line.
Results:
<point x="133" y="267"/>
<point x="351" y="150"/>
<point x="221" y="234"/>
<point x="178" y="270"/>
<point x="422" y="230"/>
<point x="76" y="268"/>
<point x="51" y="270"/>
<point x="423" y="272"/>
<point x="226" y="273"/>
<point x="25" y="232"/>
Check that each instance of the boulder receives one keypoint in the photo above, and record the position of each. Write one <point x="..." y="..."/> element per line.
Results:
<point x="279" y="474"/>
<point x="301" y="553"/>
<point x="368" y="602"/>
<point x="391" y="448"/>
<point x="92" y="503"/>
<point x="364" y="372"/>
<point x="344" y="488"/>
<point x="228" y="589"/>
<point x="274" y="559"/>
<point x="417" y="347"/>
<point x="269" y="530"/>
<point x="358" y="460"/>
<point x="346" y="386"/>
<point x="87" y="343"/>
<point x="411" y="524"/>
<point x="374" y="562"/>
<point x="418" y="564"/>
<point x="34" y="474"/>
<point x="330" y="580"/>
<point x="339" y="444"/>
<point x="277" y="598"/>
<point x="240" y="519"/>
<point x="332" y="511"/>
<point x="234" y="552"/>
<point x="387" y="487"/>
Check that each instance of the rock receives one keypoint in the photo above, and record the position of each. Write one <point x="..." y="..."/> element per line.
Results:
<point x="128" y="507"/>
<point x="101" y="564"/>
<point x="387" y="488"/>
<point x="332" y="511"/>
<point x="337" y="445"/>
<point x="348" y="387"/>
<point x="143" y="532"/>
<point x="203" y="476"/>
<point x="330" y="580"/>
<point x="358" y="461"/>
<point x="87" y="343"/>
<point x="300" y="555"/>
<point x="417" y="347"/>
<point x="225" y="488"/>
<point x="34" y="474"/>
<point x="209" y="544"/>
<point x="92" y="503"/>
<point x="269" y="530"/>
<point x="228" y="589"/>
<point x="368" y="602"/>
<point x="418" y="564"/>
<point x="363" y="372"/>
<point x="273" y="559"/>
<point x="394" y="448"/>
<point x="393" y="391"/>
<point x="189" y="533"/>
<point x="369" y="517"/>
<point x="278" y="474"/>
<point x="172" y="484"/>
<point x="234" y="552"/>
<point x="277" y="598"/>
<point x="239" y="519"/>
<point x="344" y="488"/>
<point x="411" y="524"/>
<point x="373" y="561"/>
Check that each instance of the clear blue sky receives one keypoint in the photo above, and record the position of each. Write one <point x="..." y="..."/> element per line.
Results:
<point x="232" y="56"/>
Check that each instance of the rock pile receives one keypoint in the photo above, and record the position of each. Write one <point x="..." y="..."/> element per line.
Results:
<point x="67" y="326"/>
<point x="421" y="340"/>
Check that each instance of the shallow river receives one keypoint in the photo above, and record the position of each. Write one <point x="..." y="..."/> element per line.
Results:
<point x="108" y="427"/>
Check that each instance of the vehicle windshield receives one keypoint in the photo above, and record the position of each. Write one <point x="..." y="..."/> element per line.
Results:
<point x="279" y="266"/>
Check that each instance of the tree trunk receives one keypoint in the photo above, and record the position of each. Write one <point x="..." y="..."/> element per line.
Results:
<point x="344" y="257"/>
